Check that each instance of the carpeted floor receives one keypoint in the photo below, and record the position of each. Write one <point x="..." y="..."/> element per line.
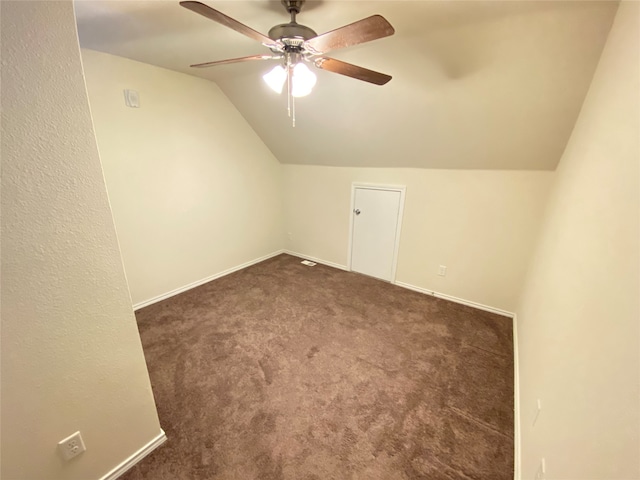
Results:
<point x="283" y="371"/>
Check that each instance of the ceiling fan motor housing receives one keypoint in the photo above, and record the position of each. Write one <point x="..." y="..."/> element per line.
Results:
<point x="291" y="34"/>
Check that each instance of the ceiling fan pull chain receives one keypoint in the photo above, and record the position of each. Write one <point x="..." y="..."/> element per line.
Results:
<point x="291" y="106"/>
<point x="289" y="96"/>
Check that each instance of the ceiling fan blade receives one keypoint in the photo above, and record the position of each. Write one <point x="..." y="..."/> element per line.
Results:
<point x="227" y="21"/>
<point x="365" y="30"/>
<point x="353" y="71"/>
<point x="236" y="60"/>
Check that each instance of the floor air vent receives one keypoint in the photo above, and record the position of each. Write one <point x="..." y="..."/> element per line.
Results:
<point x="308" y="263"/>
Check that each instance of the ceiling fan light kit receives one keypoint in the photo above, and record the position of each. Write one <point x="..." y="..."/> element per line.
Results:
<point x="295" y="45"/>
<point x="302" y="81"/>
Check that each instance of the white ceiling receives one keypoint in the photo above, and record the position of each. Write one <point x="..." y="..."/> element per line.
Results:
<point x="476" y="84"/>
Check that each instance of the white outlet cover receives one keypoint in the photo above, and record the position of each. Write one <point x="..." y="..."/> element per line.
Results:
<point x="442" y="270"/>
<point x="72" y="446"/>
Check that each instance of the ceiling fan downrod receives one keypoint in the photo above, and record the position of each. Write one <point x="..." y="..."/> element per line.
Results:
<point x="293" y="7"/>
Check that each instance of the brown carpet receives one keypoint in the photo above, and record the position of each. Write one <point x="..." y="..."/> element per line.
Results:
<point x="283" y="371"/>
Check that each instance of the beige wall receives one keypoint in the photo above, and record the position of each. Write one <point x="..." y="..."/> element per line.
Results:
<point x="480" y="224"/>
<point x="71" y="354"/>
<point x="194" y="192"/>
<point x="578" y="322"/>
<point x="193" y="189"/>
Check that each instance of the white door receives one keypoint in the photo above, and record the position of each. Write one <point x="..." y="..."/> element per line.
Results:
<point x="375" y="228"/>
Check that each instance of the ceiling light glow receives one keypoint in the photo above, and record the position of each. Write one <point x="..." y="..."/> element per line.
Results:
<point x="302" y="81"/>
<point x="275" y="78"/>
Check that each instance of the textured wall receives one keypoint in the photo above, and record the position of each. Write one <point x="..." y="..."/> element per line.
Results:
<point x="194" y="191"/>
<point x="480" y="224"/>
<point x="578" y="322"/>
<point x="71" y="354"/>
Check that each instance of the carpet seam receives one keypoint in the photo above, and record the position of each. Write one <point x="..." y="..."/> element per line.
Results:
<point x="489" y="352"/>
<point x="453" y="469"/>
<point x="477" y="420"/>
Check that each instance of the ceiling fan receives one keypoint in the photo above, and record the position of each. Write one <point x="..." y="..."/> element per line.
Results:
<point x="296" y="44"/>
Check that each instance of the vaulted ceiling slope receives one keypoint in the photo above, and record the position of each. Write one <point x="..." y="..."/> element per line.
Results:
<point x="476" y="84"/>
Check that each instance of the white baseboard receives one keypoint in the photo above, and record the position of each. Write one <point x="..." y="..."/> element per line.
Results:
<point x="197" y="283"/>
<point x="451" y="298"/>
<point x="517" y="455"/>
<point x="136" y="457"/>
<point x="412" y="287"/>
<point x="317" y="260"/>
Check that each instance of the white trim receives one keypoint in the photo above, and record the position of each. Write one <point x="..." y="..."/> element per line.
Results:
<point x="352" y="206"/>
<point x="317" y="260"/>
<point x="517" y="445"/>
<point x="451" y="298"/>
<point x="394" y="188"/>
<point x="136" y="457"/>
<point x="164" y="296"/>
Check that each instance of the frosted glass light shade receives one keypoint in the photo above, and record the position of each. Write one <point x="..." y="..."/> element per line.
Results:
<point x="302" y="82"/>
<point x="275" y="78"/>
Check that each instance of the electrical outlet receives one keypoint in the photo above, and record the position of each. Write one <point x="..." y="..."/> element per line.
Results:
<point x="71" y="446"/>
<point x="290" y="235"/>
<point x="442" y="270"/>
<point x="542" y="470"/>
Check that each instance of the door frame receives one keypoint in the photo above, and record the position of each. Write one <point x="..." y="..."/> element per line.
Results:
<point x="374" y="186"/>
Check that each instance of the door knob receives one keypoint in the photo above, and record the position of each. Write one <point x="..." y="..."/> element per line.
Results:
<point x="357" y="211"/>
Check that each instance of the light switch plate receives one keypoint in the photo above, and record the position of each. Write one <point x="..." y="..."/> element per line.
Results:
<point x="132" y="98"/>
